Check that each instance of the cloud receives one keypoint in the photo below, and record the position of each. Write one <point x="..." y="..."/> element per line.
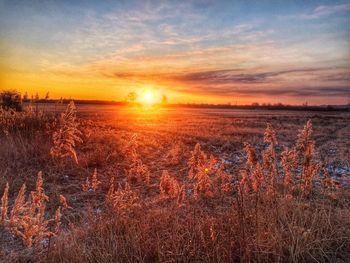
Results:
<point x="228" y="76"/>
<point x="337" y="77"/>
<point x="322" y="11"/>
<point x="160" y="29"/>
<point x="249" y="91"/>
<point x="296" y="82"/>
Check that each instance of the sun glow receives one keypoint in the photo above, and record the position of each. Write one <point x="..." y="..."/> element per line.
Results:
<point x="149" y="97"/>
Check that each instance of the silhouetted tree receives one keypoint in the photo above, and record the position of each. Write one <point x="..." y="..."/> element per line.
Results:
<point x="47" y="96"/>
<point x="164" y="99"/>
<point x="36" y="97"/>
<point x="11" y="99"/>
<point x="25" y="97"/>
<point x="131" y="97"/>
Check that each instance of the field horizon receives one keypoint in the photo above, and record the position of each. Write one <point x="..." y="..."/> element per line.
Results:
<point x="266" y="106"/>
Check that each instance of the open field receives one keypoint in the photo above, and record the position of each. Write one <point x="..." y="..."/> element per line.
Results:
<point x="172" y="201"/>
<point x="161" y="131"/>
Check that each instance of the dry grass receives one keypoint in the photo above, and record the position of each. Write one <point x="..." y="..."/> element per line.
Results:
<point x="175" y="187"/>
<point x="27" y="217"/>
<point x="67" y="135"/>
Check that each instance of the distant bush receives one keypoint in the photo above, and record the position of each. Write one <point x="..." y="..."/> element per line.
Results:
<point x="25" y="123"/>
<point x="11" y="99"/>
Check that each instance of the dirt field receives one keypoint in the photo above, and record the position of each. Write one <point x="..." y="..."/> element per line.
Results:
<point x="135" y="146"/>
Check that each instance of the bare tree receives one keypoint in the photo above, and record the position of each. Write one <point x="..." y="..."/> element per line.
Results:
<point x="131" y="97"/>
<point x="164" y="99"/>
<point x="25" y="97"/>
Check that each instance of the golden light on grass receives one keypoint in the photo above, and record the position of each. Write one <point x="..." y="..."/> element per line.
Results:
<point x="162" y="186"/>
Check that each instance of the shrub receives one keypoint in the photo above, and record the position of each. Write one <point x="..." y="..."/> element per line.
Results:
<point x="67" y="135"/>
<point x="27" y="218"/>
<point x="26" y="123"/>
<point x="91" y="185"/>
<point x="169" y="186"/>
<point x="11" y="100"/>
<point x="124" y="200"/>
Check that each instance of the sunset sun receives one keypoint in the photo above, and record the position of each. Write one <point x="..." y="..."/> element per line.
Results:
<point x="149" y="97"/>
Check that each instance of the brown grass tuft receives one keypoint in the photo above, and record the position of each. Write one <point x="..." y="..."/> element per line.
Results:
<point x="27" y="219"/>
<point x="67" y="135"/>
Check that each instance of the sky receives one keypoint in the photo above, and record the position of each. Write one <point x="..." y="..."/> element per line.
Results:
<point x="192" y="51"/>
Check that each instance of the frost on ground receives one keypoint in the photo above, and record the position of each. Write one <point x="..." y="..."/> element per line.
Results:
<point x="175" y="185"/>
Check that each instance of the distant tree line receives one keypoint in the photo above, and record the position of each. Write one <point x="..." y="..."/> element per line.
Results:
<point x="35" y="98"/>
<point x="11" y="99"/>
<point x="266" y="106"/>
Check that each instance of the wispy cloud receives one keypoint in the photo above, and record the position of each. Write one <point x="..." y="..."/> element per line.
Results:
<point x="236" y="76"/>
<point x="321" y="11"/>
<point x="305" y="82"/>
<point x="263" y="91"/>
<point x="324" y="10"/>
